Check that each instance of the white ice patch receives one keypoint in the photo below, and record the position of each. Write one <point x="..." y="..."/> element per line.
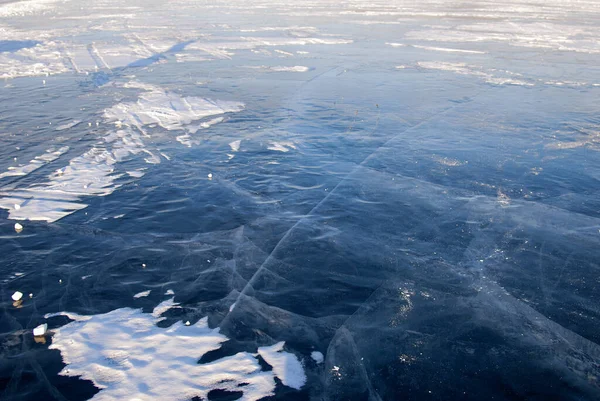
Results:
<point x="43" y="59"/>
<point x="317" y="357"/>
<point x="281" y="146"/>
<point x="187" y="139"/>
<point x="555" y="36"/>
<point x="21" y="8"/>
<point x="235" y="145"/>
<point x="90" y="174"/>
<point x="40" y="330"/>
<point x="492" y="76"/>
<point x="286" y="366"/>
<point x="95" y="173"/>
<point x="63" y="127"/>
<point x="142" y="294"/>
<point x="281" y="68"/>
<point x="34" y="164"/>
<point x="128" y="357"/>
<point x="447" y="49"/>
<point x="169" y="110"/>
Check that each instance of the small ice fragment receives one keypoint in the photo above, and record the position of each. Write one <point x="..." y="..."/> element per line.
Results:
<point x="17" y="206"/>
<point x="17" y="296"/>
<point x="142" y="294"/>
<point x="40" y="330"/>
<point x="59" y="281"/>
<point x="30" y="295"/>
<point x="143" y="265"/>
<point x="235" y="145"/>
<point x="317" y="356"/>
<point x="232" y="306"/>
<point x="170" y="292"/>
<point x="187" y="323"/>
<point x="210" y="176"/>
<point x="18" y="227"/>
<point x="44" y="81"/>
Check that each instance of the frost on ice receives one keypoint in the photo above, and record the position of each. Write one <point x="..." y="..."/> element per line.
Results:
<point x="127" y="356"/>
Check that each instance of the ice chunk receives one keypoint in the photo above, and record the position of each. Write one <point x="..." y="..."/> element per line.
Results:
<point x="17" y="296"/>
<point x="18" y="227"/>
<point x="40" y="330"/>
<point x="142" y="294"/>
<point x="317" y="356"/>
<point x="235" y="145"/>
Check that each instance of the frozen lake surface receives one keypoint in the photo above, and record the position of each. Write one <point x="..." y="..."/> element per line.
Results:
<point x="300" y="200"/>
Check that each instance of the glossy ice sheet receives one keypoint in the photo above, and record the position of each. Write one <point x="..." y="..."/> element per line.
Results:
<point x="210" y="194"/>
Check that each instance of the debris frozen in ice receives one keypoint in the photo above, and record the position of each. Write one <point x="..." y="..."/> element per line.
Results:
<point x="17" y="296"/>
<point x="40" y="330"/>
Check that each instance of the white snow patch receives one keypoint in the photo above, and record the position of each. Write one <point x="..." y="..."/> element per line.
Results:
<point x="37" y="162"/>
<point x="94" y="173"/>
<point x="40" y="330"/>
<point x="142" y="294"/>
<point x="286" y="366"/>
<point x="128" y="357"/>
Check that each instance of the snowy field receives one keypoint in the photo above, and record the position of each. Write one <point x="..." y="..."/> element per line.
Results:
<point x="300" y="200"/>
